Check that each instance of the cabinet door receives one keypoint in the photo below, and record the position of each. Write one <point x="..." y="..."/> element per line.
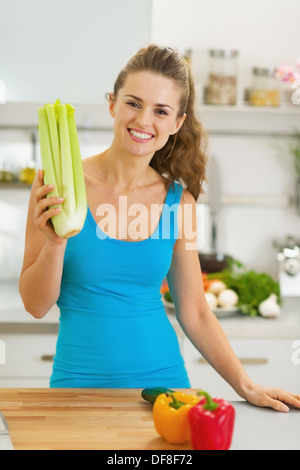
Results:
<point x="24" y="382"/>
<point x="267" y="361"/>
<point x="29" y="359"/>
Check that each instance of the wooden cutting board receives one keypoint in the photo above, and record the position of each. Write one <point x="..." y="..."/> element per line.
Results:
<point x="83" y="419"/>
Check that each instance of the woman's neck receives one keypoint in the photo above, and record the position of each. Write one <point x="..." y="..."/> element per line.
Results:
<point x="125" y="170"/>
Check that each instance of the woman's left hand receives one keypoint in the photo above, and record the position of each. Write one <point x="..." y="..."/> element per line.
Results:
<point x="275" y="398"/>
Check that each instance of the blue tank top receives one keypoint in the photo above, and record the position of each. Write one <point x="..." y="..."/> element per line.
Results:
<point x="113" y="328"/>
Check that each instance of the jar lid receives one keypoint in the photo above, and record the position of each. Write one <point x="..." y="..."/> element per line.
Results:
<point x="263" y="72"/>
<point x="224" y="53"/>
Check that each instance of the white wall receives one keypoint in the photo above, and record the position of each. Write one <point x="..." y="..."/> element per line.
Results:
<point x="68" y="49"/>
<point x="266" y="33"/>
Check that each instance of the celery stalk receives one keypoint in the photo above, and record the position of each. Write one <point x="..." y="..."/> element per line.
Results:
<point x="46" y="151"/>
<point x="66" y="162"/>
<point x="79" y="182"/>
<point x="62" y="165"/>
<point x="54" y="144"/>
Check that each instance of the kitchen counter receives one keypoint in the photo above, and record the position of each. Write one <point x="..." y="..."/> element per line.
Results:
<point x="238" y="325"/>
<point x="235" y="325"/>
<point x="119" y="419"/>
<point x="12" y="310"/>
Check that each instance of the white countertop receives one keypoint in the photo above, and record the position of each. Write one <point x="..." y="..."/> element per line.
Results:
<point x="235" y="325"/>
<point x="12" y="310"/>
<point x="265" y="429"/>
<point x="238" y="325"/>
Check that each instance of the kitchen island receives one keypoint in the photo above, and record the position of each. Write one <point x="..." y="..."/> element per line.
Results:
<point x="119" y="419"/>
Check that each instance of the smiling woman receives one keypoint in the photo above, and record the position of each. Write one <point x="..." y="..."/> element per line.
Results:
<point x="114" y="331"/>
<point x="169" y="71"/>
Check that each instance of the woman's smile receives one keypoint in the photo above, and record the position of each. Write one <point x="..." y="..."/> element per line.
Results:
<point x="140" y="136"/>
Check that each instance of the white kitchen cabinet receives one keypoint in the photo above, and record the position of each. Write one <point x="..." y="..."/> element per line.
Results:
<point x="29" y="353"/>
<point x="267" y="361"/>
<point x="24" y="382"/>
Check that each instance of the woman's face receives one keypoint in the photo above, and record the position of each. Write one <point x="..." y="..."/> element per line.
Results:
<point x="146" y="112"/>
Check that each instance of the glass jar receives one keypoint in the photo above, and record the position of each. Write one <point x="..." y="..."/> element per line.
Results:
<point x="265" y="90"/>
<point x="222" y="83"/>
<point x="6" y="173"/>
<point x="28" y="173"/>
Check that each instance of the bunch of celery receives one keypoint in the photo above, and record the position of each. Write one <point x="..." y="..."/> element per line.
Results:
<point x="62" y="166"/>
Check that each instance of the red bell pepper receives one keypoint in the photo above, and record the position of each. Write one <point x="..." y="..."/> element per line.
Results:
<point x="211" y="423"/>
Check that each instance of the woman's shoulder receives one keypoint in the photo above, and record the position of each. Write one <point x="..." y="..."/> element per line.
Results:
<point x="91" y="168"/>
<point x="187" y="197"/>
<point x="179" y="189"/>
<point x="89" y="163"/>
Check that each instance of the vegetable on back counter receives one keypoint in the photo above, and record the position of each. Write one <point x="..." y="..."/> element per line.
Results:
<point x="269" y="308"/>
<point x="251" y="287"/>
<point x="238" y="287"/>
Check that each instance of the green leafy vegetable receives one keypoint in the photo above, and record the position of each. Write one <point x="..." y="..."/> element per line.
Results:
<point x="252" y="287"/>
<point x="168" y="297"/>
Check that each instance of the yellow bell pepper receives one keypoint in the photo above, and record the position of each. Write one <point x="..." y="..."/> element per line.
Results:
<point x="170" y="414"/>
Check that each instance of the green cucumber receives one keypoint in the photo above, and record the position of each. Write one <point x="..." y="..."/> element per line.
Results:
<point x="150" y="394"/>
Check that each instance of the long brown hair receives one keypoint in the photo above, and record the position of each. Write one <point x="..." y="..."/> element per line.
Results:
<point x="183" y="158"/>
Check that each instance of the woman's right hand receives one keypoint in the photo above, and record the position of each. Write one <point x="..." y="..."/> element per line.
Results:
<point x="43" y="212"/>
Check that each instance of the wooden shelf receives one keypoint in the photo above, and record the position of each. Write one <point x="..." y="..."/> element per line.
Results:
<point x="14" y="185"/>
<point x="248" y="121"/>
<point x="250" y="109"/>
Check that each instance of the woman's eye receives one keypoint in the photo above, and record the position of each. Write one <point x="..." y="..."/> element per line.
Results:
<point x="133" y="104"/>
<point x="162" y="112"/>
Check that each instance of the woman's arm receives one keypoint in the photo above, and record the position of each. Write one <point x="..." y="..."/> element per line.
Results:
<point x="40" y="278"/>
<point x="201" y="325"/>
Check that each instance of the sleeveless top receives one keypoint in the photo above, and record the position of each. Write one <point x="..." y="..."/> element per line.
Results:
<point x="113" y="328"/>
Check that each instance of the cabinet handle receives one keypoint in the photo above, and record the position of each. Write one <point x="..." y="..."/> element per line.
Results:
<point x="47" y="358"/>
<point x="253" y="361"/>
